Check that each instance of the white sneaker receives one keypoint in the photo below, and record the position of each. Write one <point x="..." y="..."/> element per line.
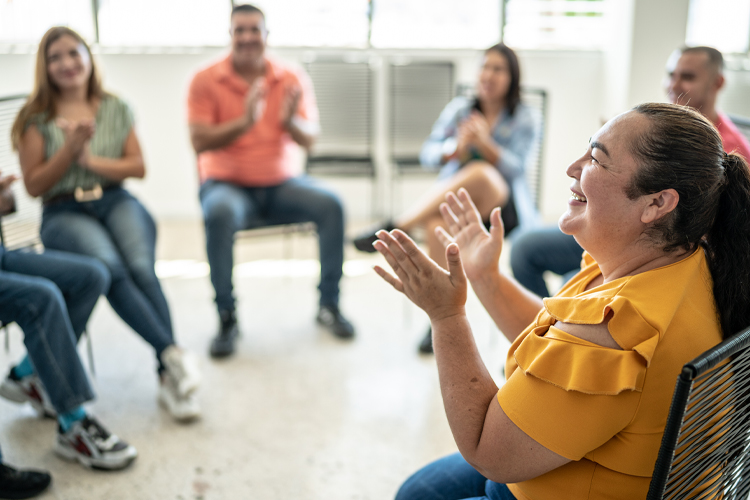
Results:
<point x="28" y="389"/>
<point x="182" y="368"/>
<point x="93" y="446"/>
<point x="181" y="407"/>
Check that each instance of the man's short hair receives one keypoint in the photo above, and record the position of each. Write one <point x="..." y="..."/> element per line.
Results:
<point x="246" y="8"/>
<point x="715" y="59"/>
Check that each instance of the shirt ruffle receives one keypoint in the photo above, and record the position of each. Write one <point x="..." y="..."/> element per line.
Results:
<point x="574" y="364"/>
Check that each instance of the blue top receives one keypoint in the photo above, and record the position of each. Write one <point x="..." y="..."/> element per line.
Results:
<point x="515" y="135"/>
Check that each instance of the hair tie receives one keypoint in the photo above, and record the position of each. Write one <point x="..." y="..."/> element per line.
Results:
<point x="724" y="165"/>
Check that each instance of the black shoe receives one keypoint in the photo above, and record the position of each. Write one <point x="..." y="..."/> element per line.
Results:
<point x="22" y="483"/>
<point x="364" y="241"/>
<point x="223" y="344"/>
<point x="331" y="318"/>
<point x="425" y="347"/>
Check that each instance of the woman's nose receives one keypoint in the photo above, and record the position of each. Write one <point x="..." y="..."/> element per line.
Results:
<point x="574" y="169"/>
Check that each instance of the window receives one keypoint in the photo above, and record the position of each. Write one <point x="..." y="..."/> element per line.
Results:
<point x="25" y="21"/>
<point x="435" y="23"/>
<point x="164" y="22"/>
<point x="542" y="24"/>
<point x="316" y="23"/>
<point x="722" y="24"/>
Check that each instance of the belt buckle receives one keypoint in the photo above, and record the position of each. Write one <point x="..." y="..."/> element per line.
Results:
<point x="81" y="195"/>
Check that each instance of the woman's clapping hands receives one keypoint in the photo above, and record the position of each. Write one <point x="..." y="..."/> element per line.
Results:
<point x="480" y="249"/>
<point x="440" y="293"/>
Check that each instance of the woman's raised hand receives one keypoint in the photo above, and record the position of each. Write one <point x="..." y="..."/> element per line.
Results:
<point x="438" y="292"/>
<point x="481" y="249"/>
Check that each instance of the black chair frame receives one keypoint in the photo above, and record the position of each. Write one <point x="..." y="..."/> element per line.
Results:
<point x="706" y="441"/>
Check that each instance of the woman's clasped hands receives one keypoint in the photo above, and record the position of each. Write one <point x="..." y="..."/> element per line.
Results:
<point x="77" y="137"/>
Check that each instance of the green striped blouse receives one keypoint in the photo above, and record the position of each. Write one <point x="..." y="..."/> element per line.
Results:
<point x="114" y="120"/>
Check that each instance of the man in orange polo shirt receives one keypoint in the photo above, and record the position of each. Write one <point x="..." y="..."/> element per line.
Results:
<point x="248" y="116"/>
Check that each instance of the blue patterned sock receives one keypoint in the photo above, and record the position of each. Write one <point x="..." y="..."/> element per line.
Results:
<point x="70" y="417"/>
<point x="24" y="368"/>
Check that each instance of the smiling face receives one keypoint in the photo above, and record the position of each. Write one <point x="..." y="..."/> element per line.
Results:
<point x="494" y="77"/>
<point x="600" y="215"/>
<point x="68" y="63"/>
<point x="248" y="31"/>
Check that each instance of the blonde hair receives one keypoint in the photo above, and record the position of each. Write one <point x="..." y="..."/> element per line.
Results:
<point x="43" y="96"/>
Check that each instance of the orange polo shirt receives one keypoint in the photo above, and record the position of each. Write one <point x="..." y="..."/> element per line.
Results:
<point x="265" y="155"/>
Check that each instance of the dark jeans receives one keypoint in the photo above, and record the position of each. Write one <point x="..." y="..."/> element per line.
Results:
<point x="538" y="250"/>
<point x="51" y="296"/>
<point x="451" y="478"/>
<point x="228" y="208"/>
<point x="118" y="231"/>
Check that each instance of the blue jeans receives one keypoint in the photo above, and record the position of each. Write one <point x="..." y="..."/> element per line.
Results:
<point x="538" y="250"/>
<point x="228" y="208"/>
<point x="51" y="296"/>
<point x="451" y="478"/>
<point x="118" y="231"/>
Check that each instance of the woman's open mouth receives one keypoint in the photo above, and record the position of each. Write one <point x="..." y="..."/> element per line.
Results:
<point x="577" y="197"/>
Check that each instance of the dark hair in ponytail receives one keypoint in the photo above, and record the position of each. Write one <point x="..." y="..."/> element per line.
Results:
<point x="728" y="247"/>
<point x="683" y="151"/>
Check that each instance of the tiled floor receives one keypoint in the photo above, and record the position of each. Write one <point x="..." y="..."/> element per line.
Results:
<point x="296" y="414"/>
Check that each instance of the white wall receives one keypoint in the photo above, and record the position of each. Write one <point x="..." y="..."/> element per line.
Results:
<point x="574" y="82"/>
<point x="668" y="19"/>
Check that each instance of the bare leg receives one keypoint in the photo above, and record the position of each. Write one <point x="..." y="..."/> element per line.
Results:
<point x="484" y="183"/>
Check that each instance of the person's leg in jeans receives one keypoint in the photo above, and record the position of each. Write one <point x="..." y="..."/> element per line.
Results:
<point x="451" y="478"/>
<point x="38" y="307"/>
<point x="77" y="232"/>
<point x="303" y="199"/>
<point x="227" y="208"/>
<point x="76" y="228"/>
<point x="80" y="279"/>
<point x="539" y="250"/>
<point x="133" y="232"/>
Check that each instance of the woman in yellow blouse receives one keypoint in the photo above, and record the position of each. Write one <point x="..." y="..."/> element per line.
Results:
<point x="662" y="213"/>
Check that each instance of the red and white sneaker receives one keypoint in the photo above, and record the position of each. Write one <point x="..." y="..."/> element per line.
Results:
<point x="93" y="446"/>
<point x="28" y="389"/>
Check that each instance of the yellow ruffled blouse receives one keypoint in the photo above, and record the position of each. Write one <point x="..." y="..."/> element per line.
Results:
<point x="605" y="409"/>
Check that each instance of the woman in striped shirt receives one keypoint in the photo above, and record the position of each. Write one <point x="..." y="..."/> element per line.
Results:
<point x="76" y="146"/>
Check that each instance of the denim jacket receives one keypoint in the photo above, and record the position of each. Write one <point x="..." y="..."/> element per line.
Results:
<point x="515" y="135"/>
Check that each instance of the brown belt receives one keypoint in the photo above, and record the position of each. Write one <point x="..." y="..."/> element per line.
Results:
<point x="81" y="195"/>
